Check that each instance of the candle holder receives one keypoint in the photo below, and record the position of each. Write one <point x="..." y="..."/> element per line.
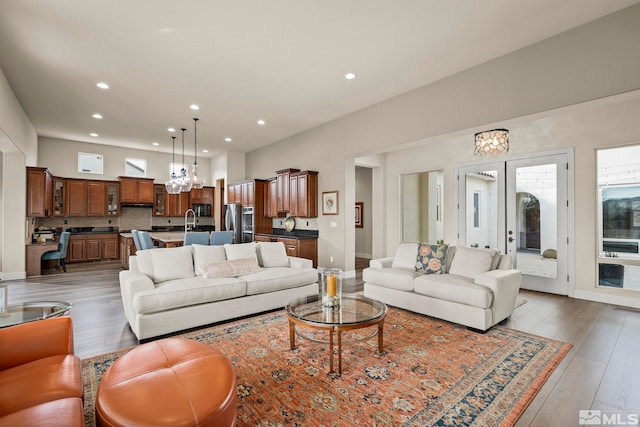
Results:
<point x="331" y="287"/>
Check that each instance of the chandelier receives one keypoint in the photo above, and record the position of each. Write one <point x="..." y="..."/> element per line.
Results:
<point x="174" y="185"/>
<point x="491" y="142"/>
<point x="196" y="178"/>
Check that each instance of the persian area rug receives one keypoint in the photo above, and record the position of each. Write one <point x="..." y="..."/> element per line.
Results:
<point x="431" y="372"/>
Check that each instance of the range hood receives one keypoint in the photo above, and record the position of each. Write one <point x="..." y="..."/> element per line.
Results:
<point x="136" y="205"/>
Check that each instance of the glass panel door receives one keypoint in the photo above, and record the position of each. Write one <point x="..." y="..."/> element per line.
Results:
<point x="521" y="208"/>
<point x="537" y="222"/>
<point x="482" y="213"/>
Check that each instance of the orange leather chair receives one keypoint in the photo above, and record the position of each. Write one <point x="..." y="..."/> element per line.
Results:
<point x="40" y="376"/>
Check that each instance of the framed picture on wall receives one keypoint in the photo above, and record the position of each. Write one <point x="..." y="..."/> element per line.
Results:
<point x="359" y="208"/>
<point x="330" y="203"/>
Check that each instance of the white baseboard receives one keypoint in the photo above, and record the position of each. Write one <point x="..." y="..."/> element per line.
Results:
<point x="349" y="274"/>
<point x="608" y="298"/>
<point x="13" y="276"/>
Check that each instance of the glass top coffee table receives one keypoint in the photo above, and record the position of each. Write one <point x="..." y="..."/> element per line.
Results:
<point x="15" y="314"/>
<point x="354" y="312"/>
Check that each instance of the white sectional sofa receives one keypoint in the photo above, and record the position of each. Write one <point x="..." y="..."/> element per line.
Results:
<point x="172" y="289"/>
<point x="475" y="287"/>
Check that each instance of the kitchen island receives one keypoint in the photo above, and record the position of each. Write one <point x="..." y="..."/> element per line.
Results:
<point x="168" y="239"/>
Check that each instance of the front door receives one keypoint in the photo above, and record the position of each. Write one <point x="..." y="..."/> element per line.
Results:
<point x="520" y="207"/>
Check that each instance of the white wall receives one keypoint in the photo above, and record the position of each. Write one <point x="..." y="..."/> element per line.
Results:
<point x="18" y="144"/>
<point x="61" y="157"/>
<point x="590" y="62"/>
<point x="364" y="194"/>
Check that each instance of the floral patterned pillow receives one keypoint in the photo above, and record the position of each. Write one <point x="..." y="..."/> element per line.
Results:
<point x="431" y="258"/>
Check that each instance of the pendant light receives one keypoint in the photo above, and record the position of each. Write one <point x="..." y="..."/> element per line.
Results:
<point x="173" y="186"/>
<point x="185" y="179"/>
<point x="196" y="179"/>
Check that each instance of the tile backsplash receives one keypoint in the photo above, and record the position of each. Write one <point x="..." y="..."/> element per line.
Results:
<point x="301" y="223"/>
<point x="131" y="218"/>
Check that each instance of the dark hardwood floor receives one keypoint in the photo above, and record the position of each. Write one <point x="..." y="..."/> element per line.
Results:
<point x="602" y="370"/>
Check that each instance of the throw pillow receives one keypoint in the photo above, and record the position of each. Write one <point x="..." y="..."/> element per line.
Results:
<point x="431" y="258"/>
<point x="405" y="256"/>
<point x="233" y="268"/>
<point x="204" y="254"/>
<point x="470" y="262"/>
<point x="272" y="254"/>
<point x="172" y="263"/>
<point x="240" y="251"/>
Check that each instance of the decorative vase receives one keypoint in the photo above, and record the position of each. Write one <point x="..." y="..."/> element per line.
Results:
<point x="331" y="287"/>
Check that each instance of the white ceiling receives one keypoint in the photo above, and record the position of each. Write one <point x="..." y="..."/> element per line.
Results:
<point x="242" y="60"/>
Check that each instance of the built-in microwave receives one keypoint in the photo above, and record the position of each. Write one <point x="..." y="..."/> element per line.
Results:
<point x="201" y="209"/>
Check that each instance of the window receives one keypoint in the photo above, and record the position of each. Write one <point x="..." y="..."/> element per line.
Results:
<point x="135" y="167"/>
<point x="90" y="163"/>
<point x="476" y="209"/>
<point x="176" y="167"/>
<point x="619" y="216"/>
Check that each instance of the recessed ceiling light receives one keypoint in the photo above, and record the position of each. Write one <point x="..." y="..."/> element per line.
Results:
<point x="97" y="116"/>
<point x="93" y="134"/>
<point x="171" y="129"/>
<point x="227" y="139"/>
<point x="261" y="122"/>
<point x="155" y="143"/>
<point x="205" y="151"/>
<point x="349" y="76"/>
<point x="194" y="107"/>
<point x="102" y="85"/>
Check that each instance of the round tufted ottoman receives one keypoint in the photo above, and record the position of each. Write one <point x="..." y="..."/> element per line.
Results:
<point x="171" y="382"/>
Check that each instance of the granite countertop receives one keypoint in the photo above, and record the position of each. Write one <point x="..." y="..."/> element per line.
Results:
<point x="92" y="230"/>
<point x="295" y="234"/>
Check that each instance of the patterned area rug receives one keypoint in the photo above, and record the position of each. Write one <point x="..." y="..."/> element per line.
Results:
<point x="431" y="372"/>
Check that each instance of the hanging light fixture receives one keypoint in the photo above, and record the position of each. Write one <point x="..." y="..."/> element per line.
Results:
<point x="491" y="142"/>
<point x="185" y="178"/>
<point x="196" y="178"/>
<point x="173" y="186"/>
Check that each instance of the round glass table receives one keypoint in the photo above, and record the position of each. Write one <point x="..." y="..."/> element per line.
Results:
<point x="354" y="312"/>
<point x="14" y="314"/>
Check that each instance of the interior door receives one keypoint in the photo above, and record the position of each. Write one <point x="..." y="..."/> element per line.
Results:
<point x="537" y="222"/>
<point x="521" y="208"/>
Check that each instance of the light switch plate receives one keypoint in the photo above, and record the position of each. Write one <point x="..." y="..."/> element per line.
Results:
<point x="333" y="224"/>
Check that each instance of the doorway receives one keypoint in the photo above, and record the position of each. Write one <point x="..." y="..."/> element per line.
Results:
<point x="521" y="207"/>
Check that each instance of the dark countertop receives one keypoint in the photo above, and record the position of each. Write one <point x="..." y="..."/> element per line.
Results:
<point x="181" y="228"/>
<point x="295" y="234"/>
<point x="92" y="230"/>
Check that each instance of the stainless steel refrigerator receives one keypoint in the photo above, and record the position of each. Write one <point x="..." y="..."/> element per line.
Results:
<point x="233" y="220"/>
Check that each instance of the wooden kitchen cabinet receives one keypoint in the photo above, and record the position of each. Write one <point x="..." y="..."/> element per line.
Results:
<point x="301" y="248"/>
<point x="202" y="195"/>
<point x="136" y="190"/>
<point x="234" y="194"/>
<point x="75" y="193"/>
<point x="127" y="248"/>
<point x="283" y="189"/>
<point x="92" y="247"/>
<point x="271" y="208"/>
<point x="303" y="194"/>
<point x="170" y="204"/>
<point x="176" y="204"/>
<point x="96" y="198"/>
<point x="77" y="248"/>
<point x="39" y="192"/>
<point x="59" y="201"/>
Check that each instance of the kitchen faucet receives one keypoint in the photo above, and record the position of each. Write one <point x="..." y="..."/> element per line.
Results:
<point x="186" y="218"/>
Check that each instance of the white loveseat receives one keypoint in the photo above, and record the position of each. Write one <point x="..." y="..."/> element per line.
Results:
<point x="478" y="289"/>
<point x="167" y="290"/>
